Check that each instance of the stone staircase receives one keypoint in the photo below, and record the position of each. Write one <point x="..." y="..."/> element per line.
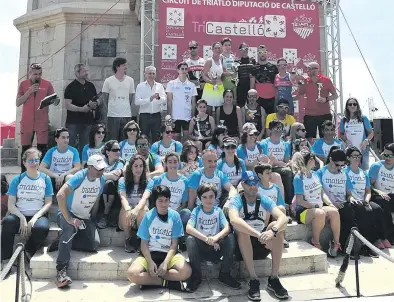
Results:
<point x="9" y="153"/>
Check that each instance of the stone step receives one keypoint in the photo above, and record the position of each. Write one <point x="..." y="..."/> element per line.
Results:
<point x="9" y="152"/>
<point x="112" y="263"/>
<point x="10" y="171"/>
<point x="7" y="162"/>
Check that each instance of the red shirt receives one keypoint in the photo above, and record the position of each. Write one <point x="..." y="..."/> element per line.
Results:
<point x="32" y="117"/>
<point x="310" y="91"/>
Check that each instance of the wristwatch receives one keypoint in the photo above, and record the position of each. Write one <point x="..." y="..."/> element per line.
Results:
<point x="327" y="99"/>
<point x="316" y="206"/>
<point x="274" y="229"/>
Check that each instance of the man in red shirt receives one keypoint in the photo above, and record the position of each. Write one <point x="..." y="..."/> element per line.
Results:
<point x="317" y="109"/>
<point x="30" y="93"/>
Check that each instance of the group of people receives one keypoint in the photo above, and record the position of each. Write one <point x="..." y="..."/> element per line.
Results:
<point x="183" y="174"/>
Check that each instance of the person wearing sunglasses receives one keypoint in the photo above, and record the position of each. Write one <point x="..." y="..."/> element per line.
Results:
<point x="29" y="199"/>
<point x="78" y="100"/>
<point x="369" y="215"/>
<point x="201" y="126"/>
<point x="127" y="147"/>
<point x="244" y="70"/>
<point x="312" y="206"/>
<point x="151" y="98"/>
<point x="78" y="200"/>
<point x="181" y="102"/>
<point x="317" y="109"/>
<point x="262" y="79"/>
<point x="282" y="115"/>
<point x="167" y="144"/>
<point x="229" y="163"/>
<point x="284" y="85"/>
<point x="195" y="68"/>
<point x="30" y="94"/>
<point x="381" y="175"/>
<point x="356" y="130"/>
<point x="61" y="160"/>
<point x="249" y="149"/>
<point x="217" y="139"/>
<point x="96" y="143"/>
<point x="153" y="161"/>
<point x="323" y="145"/>
<point x="114" y="162"/>
<point x="253" y="113"/>
<point x="297" y="131"/>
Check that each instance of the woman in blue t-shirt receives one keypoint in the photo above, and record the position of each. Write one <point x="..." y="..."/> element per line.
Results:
<point x="355" y="130"/>
<point x="111" y="151"/>
<point x="167" y="144"/>
<point x="250" y="149"/>
<point x="29" y="199"/>
<point x="96" y="143"/>
<point x="190" y="161"/>
<point x="217" y="139"/>
<point x="127" y="147"/>
<point x="133" y="197"/>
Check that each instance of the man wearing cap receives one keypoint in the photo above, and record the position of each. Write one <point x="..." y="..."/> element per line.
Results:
<point x="195" y="68"/>
<point x="151" y="98"/>
<point x="77" y="199"/>
<point x="253" y="113"/>
<point x="249" y="215"/>
<point x="282" y="115"/>
<point x="244" y="72"/>
<point x="30" y="94"/>
<point x="318" y="91"/>
<point x="263" y="79"/>
<point x="249" y="150"/>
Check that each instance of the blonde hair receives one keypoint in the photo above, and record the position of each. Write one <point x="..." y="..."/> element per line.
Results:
<point x="29" y="151"/>
<point x="293" y="130"/>
<point x="298" y="162"/>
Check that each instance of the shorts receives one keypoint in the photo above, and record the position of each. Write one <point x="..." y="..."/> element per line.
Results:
<point x="260" y="252"/>
<point x="301" y="215"/>
<point x="213" y="97"/>
<point x="158" y="258"/>
<point x="267" y="104"/>
<point x="27" y="136"/>
<point x="181" y="124"/>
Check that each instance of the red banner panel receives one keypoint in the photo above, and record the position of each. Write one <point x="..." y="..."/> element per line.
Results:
<point x="289" y="30"/>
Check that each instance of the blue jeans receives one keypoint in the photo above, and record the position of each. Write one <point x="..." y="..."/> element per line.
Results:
<point x="10" y="227"/>
<point x="365" y="162"/>
<point x="185" y="216"/>
<point x="82" y="132"/>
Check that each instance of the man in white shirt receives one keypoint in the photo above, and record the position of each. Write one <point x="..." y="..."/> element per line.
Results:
<point x="151" y="98"/>
<point x="118" y="97"/>
<point x="196" y="67"/>
<point x="181" y="101"/>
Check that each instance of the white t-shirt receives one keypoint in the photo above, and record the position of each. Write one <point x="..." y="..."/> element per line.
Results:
<point x="384" y="177"/>
<point x="335" y="185"/>
<point x="360" y="182"/>
<point x="60" y="162"/>
<point x="210" y="223"/>
<point x="127" y="151"/>
<point x="183" y="93"/>
<point x="119" y="93"/>
<point x="310" y="187"/>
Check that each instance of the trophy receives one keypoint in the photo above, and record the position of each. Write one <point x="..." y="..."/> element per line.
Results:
<point x="234" y="69"/>
<point x="319" y="87"/>
<point x="198" y="119"/>
<point x="221" y="123"/>
<point x="214" y="76"/>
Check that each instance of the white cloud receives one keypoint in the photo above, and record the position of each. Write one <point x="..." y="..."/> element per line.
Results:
<point x="8" y="108"/>
<point x="9" y="35"/>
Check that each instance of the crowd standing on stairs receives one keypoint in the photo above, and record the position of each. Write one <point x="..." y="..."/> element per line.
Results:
<point x="213" y="164"/>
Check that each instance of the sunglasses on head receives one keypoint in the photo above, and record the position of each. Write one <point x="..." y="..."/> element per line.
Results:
<point x="193" y="47"/>
<point x="352" y="104"/>
<point x="115" y="150"/>
<point x="35" y="66"/>
<point x="140" y="146"/>
<point x="170" y="131"/>
<point x="231" y="147"/>
<point x="132" y="130"/>
<point x="100" y="132"/>
<point x="33" y="161"/>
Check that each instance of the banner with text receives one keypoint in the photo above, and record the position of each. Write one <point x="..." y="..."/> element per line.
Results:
<point x="287" y="29"/>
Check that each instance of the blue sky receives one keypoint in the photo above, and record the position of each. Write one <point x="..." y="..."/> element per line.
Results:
<point x="371" y="21"/>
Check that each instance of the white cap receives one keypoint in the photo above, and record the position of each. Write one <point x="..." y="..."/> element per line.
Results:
<point x="249" y="128"/>
<point x="97" y="161"/>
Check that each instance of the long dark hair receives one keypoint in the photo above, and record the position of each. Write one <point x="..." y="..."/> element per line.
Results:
<point x="92" y="134"/>
<point x="187" y="146"/>
<point x="358" y="113"/>
<point x="236" y="161"/>
<point x="129" y="176"/>
<point x="108" y="146"/>
<point x="218" y="130"/>
<point x="349" y="152"/>
<point x="163" y="129"/>
<point x="134" y="123"/>
<point x="336" y="154"/>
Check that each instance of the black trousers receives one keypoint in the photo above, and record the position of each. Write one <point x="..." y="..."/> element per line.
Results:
<point x="312" y="122"/>
<point x="287" y="178"/>
<point x="387" y="219"/>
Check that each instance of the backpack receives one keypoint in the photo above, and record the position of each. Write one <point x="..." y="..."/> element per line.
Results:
<point x="255" y="215"/>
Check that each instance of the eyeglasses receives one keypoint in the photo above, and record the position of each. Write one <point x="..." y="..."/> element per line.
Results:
<point x="388" y="155"/>
<point x="140" y="146"/>
<point x="100" y="132"/>
<point x="33" y="161"/>
<point x="132" y="130"/>
<point x="36" y="66"/>
<point x="356" y="156"/>
<point x="170" y="131"/>
<point x="253" y="134"/>
<point x="231" y="147"/>
<point x="115" y="150"/>
<point x="193" y="47"/>
<point x="283" y="107"/>
<point x="352" y="104"/>
<point x="277" y="129"/>
<point x="244" y="49"/>
<point x="301" y="129"/>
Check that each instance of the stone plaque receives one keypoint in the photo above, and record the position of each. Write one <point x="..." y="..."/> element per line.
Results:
<point x="104" y="48"/>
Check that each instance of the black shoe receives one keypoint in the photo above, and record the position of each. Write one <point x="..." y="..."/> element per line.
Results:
<point x="254" y="290"/>
<point x="193" y="284"/>
<point x="103" y="222"/>
<point x="182" y="245"/>
<point x="175" y="285"/>
<point x="145" y="287"/>
<point x="276" y="287"/>
<point x="54" y="245"/>
<point x="367" y="252"/>
<point x="228" y="280"/>
<point x="129" y="245"/>
<point x="290" y="220"/>
<point x="286" y="244"/>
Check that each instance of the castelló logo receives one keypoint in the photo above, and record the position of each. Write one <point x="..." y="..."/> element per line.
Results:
<point x="303" y="26"/>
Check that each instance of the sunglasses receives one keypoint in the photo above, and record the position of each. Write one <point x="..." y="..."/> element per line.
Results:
<point x="339" y="165"/>
<point x="170" y="132"/>
<point x="140" y="146"/>
<point x="33" y="161"/>
<point x="356" y="156"/>
<point x="283" y="107"/>
<point x="352" y="104"/>
<point x="36" y="66"/>
<point x="388" y="155"/>
<point x="132" y="130"/>
<point x="244" y="49"/>
<point x="278" y="129"/>
<point x="193" y="47"/>
<point x="301" y="129"/>
<point x="115" y="150"/>
<point x="253" y="134"/>
<point x="231" y="147"/>
<point x="100" y="132"/>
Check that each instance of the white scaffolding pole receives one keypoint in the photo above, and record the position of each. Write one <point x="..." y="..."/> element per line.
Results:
<point x="148" y="34"/>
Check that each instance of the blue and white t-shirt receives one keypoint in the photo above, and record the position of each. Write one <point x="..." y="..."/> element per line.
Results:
<point x="179" y="189"/>
<point x="243" y="152"/>
<point x="335" y="185"/>
<point x="88" y="152"/>
<point x="309" y="186"/>
<point x="61" y="162"/>
<point x="383" y="176"/>
<point x="360" y="182"/>
<point x="280" y="150"/>
<point x="210" y="223"/>
<point x="134" y="196"/>
<point x="159" y="233"/>
<point x="266" y="207"/>
<point x="218" y="150"/>
<point x="84" y="193"/>
<point x="127" y="151"/>
<point x="231" y="170"/>
<point x="219" y="179"/>
<point x="272" y="193"/>
<point x="189" y="171"/>
<point x="118" y="164"/>
<point x="30" y="192"/>
<point x="322" y="148"/>
<point x="161" y="150"/>
<point x="354" y="130"/>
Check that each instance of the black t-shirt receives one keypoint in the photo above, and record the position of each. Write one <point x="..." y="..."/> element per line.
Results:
<point x="80" y="95"/>
<point x="265" y="73"/>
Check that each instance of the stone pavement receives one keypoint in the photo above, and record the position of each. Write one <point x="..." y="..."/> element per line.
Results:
<point x="376" y="279"/>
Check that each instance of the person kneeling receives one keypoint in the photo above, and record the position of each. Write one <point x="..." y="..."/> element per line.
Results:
<point x="159" y="264"/>
<point x="247" y="213"/>
<point x="210" y="238"/>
